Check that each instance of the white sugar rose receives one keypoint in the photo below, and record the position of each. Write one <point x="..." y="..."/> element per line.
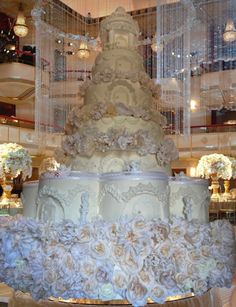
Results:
<point x="181" y="278"/>
<point x="84" y="234"/>
<point x="167" y="279"/>
<point x="132" y="262"/>
<point x="119" y="280"/>
<point x="99" y="249"/>
<point x="90" y="288"/>
<point x="146" y="277"/>
<point x="88" y="268"/>
<point x="158" y="294"/>
<point x="194" y="255"/>
<point x="79" y="251"/>
<point x="137" y="293"/>
<point x="106" y="292"/>
<point x="113" y="231"/>
<point x="200" y="286"/>
<point x="118" y="252"/>
<point x="206" y="267"/>
<point x="165" y="249"/>
<point x="103" y="274"/>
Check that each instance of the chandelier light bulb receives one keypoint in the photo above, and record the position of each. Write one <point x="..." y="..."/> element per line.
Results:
<point x="20" y="28"/>
<point x="83" y="52"/>
<point x="229" y="34"/>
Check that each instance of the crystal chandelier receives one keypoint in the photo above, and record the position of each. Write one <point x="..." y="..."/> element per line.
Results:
<point x="20" y="28"/>
<point x="229" y="34"/>
<point x="83" y="51"/>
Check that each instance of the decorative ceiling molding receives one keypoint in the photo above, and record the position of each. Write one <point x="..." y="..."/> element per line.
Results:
<point x="19" y="80"/>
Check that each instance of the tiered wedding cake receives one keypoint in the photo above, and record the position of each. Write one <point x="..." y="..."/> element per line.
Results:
<point x="114" y="144"/>
<point x="115" y="147"/>
<point x="118" y="123"/>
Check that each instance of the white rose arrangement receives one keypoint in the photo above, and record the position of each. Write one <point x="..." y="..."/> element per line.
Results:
<point x="14" y="160"/>
<point x="214" y="164"/>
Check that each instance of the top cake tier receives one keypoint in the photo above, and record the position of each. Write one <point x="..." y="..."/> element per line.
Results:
<point x="119" y="30"/>
<point x="119" y="80"/>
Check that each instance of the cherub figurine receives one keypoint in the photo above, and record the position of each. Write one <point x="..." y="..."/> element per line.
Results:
<point x="188" y="204"/>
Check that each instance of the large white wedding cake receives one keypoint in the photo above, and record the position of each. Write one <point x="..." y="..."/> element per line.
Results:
<point x="118" y="123"/>
<point x="114" y="143"/>
<point x="123" y="229"/>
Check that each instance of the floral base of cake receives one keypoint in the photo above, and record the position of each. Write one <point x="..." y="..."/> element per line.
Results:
<point x="131" y="259"/>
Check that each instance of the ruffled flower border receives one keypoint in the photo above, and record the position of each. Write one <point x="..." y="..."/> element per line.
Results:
<point x="88" y="141"/>
<point x="131" y="259"/>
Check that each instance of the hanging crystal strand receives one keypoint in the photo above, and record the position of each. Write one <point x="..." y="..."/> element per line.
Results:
<point x="158" y="35"/>
<point x="36" y="15"/>
<point x="176" y="66"/>
<point x="67" y="68"/>
<point x="187" y="70"/>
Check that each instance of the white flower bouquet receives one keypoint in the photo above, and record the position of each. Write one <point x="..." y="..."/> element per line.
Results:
<point x="217" y="164"/>
<point x="14" y="159"/>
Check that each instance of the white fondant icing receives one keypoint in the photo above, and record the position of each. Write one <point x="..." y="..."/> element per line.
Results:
<point x="28" y="198"/>
<point x="115" y="161"/>
<point x="195" y="191"/>
<point x="65" y="196"/>
<point x="133" y="193"/>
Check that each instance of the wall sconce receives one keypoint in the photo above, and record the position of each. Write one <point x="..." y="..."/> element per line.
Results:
<point x="20" y="28"/>
<point x="229" y="34"/>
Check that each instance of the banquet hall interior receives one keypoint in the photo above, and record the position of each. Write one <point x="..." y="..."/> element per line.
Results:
<point x="195" y="66"/>
<point x="188" y="47"/>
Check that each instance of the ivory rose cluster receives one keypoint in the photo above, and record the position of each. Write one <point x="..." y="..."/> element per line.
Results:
<point x="129" y="259"/>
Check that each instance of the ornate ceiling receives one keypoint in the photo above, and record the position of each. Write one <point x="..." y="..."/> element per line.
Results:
<point x="10" y="7"/>
<point x="99" y="8"/>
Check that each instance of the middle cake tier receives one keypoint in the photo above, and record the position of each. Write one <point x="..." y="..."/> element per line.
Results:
<point x="113" y="144"/>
